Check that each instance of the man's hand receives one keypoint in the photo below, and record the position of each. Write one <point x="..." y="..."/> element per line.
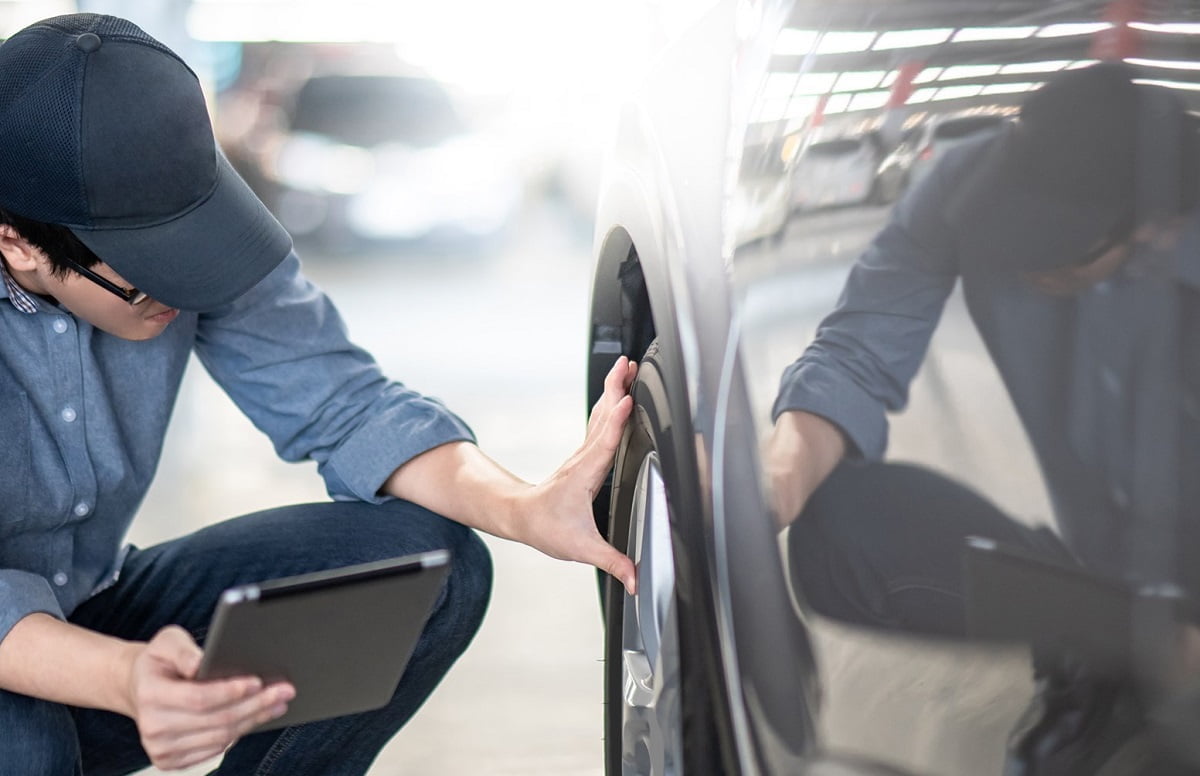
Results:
<point x="801" y="452"/>
<point x="558" y="512"/>
<point x="458" y="481"/>
<point x="182" y="721"/>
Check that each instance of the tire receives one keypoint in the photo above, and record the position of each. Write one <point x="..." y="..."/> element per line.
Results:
<point x="643" y="720"/>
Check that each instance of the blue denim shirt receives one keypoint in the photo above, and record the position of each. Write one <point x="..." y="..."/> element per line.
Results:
<point x="1102" y="380"/>
<point x="84" y="414"/>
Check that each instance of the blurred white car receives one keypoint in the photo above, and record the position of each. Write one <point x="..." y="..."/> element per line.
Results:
<point x="387" y="158"/>
<point x="839" y="171"/>
<point x="762" y="199"/>
<point x="923" y="146"/>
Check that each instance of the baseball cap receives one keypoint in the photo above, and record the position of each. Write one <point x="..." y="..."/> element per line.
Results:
<point x="1070" y="173"/>
<point x="105" y="131"/>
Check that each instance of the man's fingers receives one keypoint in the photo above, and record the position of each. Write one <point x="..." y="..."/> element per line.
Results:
<point x="176" y="646"/>
<point x="616" y="564"/>
<point x="616" y="386"/>
<point x="620" y="377"/>
<point x="186" y="737"/>
<point x="216" y="696"/>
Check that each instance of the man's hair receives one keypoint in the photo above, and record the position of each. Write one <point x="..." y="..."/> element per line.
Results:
<point x="57" y="242"/>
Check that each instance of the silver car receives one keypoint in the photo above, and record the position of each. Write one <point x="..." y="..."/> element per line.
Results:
<point x="825" y="635"/>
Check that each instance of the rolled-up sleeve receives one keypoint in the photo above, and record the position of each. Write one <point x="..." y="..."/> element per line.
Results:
<point x="23" y="594"/>
<point x="282" y="354"/>
<point x="868" y="349"/>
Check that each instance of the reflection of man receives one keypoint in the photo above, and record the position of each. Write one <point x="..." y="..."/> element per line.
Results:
<point x="1080" y="271"/>
<point x="110" y="180"/>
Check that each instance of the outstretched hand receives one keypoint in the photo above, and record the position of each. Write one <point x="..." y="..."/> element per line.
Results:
<point x="559" y="510"/>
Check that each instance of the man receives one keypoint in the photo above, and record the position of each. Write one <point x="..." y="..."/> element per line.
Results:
<point x="129" y="243"/>
<point x="1074" y="236"/>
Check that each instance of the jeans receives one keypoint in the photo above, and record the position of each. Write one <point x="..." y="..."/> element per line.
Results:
<point x="882" y="544"/>
<point x="178" y="582"/>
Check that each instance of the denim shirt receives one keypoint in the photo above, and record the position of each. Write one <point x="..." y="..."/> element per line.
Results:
<point x="84" y="414"/>
<point x="1095" y="377"/>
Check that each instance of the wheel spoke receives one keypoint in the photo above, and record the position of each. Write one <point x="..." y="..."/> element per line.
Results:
<point x="650" y="676"/>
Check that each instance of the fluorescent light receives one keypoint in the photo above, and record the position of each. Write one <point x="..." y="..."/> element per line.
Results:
<point x="927" y="75"/>
<point x="970" y="34"/>
<point x="1178" y="28"/>
<point x="920" y="96"/>
<point x="957" y="92"/>
<point x="795" y="43"/>
<point x="1082" y="64"/>
<point x="845" y="42"/>
<point x="837" y="104"/>
<point x="968" y="71"/>
<point x="859" y="81"/>
<point x="1013" y="88"/>
<point x="870" y="100"/>
<point x="1187" y="87"/>
<point x="1073" y="28"/>
<point x="1165" y="63"/>
<point x="816" y="83"/>
<point x="1023" y="68"/>
<point x="898" y="39"/>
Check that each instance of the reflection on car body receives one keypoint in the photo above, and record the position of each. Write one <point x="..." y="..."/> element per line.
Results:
<point x="762" y="205"/>
<point x="835" y="172"/>
<point x="1001" y="580"/>
<point x="924" y="145"/>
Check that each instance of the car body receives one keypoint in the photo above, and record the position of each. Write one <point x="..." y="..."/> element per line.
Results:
<point x="718" y="665"/>
<point x="836" y="171"/>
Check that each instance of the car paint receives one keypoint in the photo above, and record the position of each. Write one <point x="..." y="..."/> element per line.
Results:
<point x="792" y="692"/>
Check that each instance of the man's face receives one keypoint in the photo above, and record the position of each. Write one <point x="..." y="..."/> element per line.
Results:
<point x="83" y="297"/>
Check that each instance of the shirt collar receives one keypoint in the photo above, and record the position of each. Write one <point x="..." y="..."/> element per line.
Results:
<point x="20" y="298"/>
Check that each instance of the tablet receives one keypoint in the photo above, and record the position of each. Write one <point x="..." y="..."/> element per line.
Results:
<point x="342" y="637"/>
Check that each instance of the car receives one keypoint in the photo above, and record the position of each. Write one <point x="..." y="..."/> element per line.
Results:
<point x="351" y="158"/>
<point x="833" y="172"/>
<point x="762" y="203"/>
<point x="926" y="144"/>
<point x="721" y="662"/>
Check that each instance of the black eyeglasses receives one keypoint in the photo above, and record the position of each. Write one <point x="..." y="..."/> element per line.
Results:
<point x="130" y="295"/>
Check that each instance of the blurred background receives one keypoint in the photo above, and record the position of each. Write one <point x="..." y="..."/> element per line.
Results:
<point x="437" y="164"/>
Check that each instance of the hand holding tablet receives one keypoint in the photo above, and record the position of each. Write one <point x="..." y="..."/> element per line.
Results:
<point x="341" y="637"/>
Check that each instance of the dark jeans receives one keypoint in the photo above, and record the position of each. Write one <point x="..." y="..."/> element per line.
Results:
<point x="882" y="545"/>
<point x="178" y="582"/>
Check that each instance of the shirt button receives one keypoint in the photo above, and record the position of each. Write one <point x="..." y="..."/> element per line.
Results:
<point x="82" y="508"/>
<point x="60" y="579"/>
<point x="68" y="414"/>
<point x="60" y="325"/>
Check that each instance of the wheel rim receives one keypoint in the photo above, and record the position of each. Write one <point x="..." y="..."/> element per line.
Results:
<point x="650" y="741"/>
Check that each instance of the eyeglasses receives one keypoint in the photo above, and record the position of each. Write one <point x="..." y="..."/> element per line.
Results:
<point x="130" y="295"/>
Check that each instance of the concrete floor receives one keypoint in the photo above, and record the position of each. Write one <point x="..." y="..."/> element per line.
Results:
<point x="501" y="338"/>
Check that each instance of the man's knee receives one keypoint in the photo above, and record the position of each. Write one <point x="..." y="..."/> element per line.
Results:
<point x="469" y="587"/>
<point x="39" y="735"/>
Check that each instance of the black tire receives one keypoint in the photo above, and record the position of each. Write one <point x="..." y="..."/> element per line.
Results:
<point x="678" y="732"/>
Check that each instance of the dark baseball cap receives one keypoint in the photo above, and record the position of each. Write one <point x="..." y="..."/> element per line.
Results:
<point x="105" y="131"/>
<point x="1071" y="174"/>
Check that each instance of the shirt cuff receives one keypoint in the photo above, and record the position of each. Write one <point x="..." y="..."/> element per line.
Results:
<point x="825" y="392"/>
<point x="23" y="594"/>
<point x="363" y="462"/>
